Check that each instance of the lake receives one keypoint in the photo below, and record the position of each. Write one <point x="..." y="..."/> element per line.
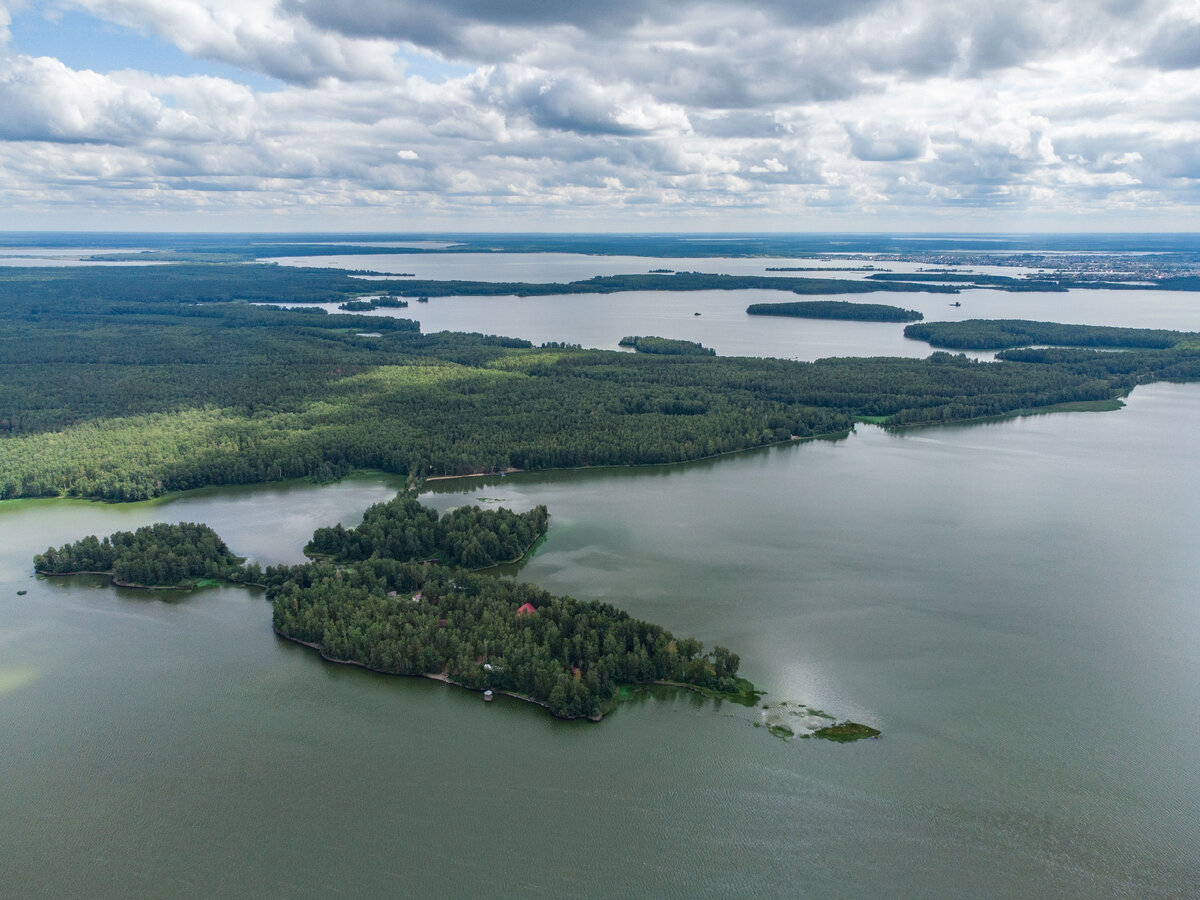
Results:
<point x="1013" y="603"/>
<point x="601" y="320"/>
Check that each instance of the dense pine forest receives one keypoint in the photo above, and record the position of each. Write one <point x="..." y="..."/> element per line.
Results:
<point x="836" y="309"/>
<point x="665" y="346"/>
<point x="113" y="387"/>
<point x="998" y="334"/>
<point x="486" y="633"/>
<point x="402" y="529"/>
<point x="368" y="602"/>
<point x="158" y="555"/>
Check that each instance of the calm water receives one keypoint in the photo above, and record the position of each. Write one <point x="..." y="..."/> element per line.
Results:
<point x="1014" y="604"/>
<point x="541" y="267"/>
<point x="601" y="320"/>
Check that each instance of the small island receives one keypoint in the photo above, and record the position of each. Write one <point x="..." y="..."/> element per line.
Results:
<point x="666" y="346"/>
<point x="395" y="595"/>
<point x="178" y="557"/>
<point x="373" y="304"/>
<point x="836" y="309"/>
<point x="403" y="529"/>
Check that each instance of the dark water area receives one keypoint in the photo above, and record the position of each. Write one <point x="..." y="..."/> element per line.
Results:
<point x="1012" y="603"/>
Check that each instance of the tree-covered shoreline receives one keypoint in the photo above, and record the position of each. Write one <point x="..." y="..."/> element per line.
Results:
<point x="128" y="394"/>
<point x="836" y="309"/>
<point x="376" y="601"/>
<point x="486" y="633"/>
<point x="403" y="529"/>
<point x="665" y="346"/>
<point x="154" y="556"/>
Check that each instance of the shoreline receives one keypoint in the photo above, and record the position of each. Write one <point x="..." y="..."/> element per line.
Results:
<point x="116" y="582"/>
<point x="790" y="439"/>
<point x="433" y="676"/>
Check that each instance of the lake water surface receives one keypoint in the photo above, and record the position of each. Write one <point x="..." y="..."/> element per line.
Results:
<point x="1013" y="603"/>
<point x="601" y="320"/>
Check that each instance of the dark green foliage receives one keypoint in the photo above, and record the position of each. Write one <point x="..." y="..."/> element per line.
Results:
<point x="998" y="334"/>
<point x="666" y="346"/>
<point x="154" y="555"/>
<point x="570" y="655"/>
<point x="836" y="309"/>
<point x="368" y="305"/>
<point x="846" y="732"/>
<point x="127" y="400"/>
<point x="402" y="529"/>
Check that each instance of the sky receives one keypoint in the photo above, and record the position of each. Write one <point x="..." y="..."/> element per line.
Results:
<point x="627" y="115"/>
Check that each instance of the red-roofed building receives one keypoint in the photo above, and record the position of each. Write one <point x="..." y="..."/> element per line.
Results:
<point x="526" y="609"/>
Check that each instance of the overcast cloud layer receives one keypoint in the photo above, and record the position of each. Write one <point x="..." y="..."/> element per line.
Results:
<point x="632" y="114"/>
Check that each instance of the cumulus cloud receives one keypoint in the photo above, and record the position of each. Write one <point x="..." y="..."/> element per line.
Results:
<point x="726" y="111"/>
<point x="252" y="34"/>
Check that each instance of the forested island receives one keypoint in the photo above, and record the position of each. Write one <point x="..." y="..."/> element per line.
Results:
<point x="483" y="632"/>
<point x="665" y="346"/>
<point x="368" y="603"/>
<point x="154" y="556"/>
<point x="373" y="304"/>
<point x="836" y="309"/>
<point x="404" y="530"/>
<point x="116" y="389"/>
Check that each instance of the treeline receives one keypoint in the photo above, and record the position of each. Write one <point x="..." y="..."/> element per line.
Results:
<point x="665" y="346"/>
<point x="157" y="555"/>
<point x="679" y="281"/>
<point x="375" y="303"/>
<point x="403" y="529"/>
<point x="484" y="632"/>
<point x="998" y="334"/>
<point x="127" y="400"/>
<point x="836" y="309"/>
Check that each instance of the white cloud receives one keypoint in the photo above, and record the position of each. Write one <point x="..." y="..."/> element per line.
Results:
<point x="640" y="108"/>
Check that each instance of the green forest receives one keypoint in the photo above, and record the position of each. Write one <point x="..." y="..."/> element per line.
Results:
<point x="373" y="304"/>
<point x="369" y="601"/>
<point x="111" y="388"/>
<point x="405" y="530"/>
<point x="665" y="346"/>
<point x="158" y="555"/>
<point x="999" y="334"/>
<point x="836" y="309"/>
<point x="483" y="632"/>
